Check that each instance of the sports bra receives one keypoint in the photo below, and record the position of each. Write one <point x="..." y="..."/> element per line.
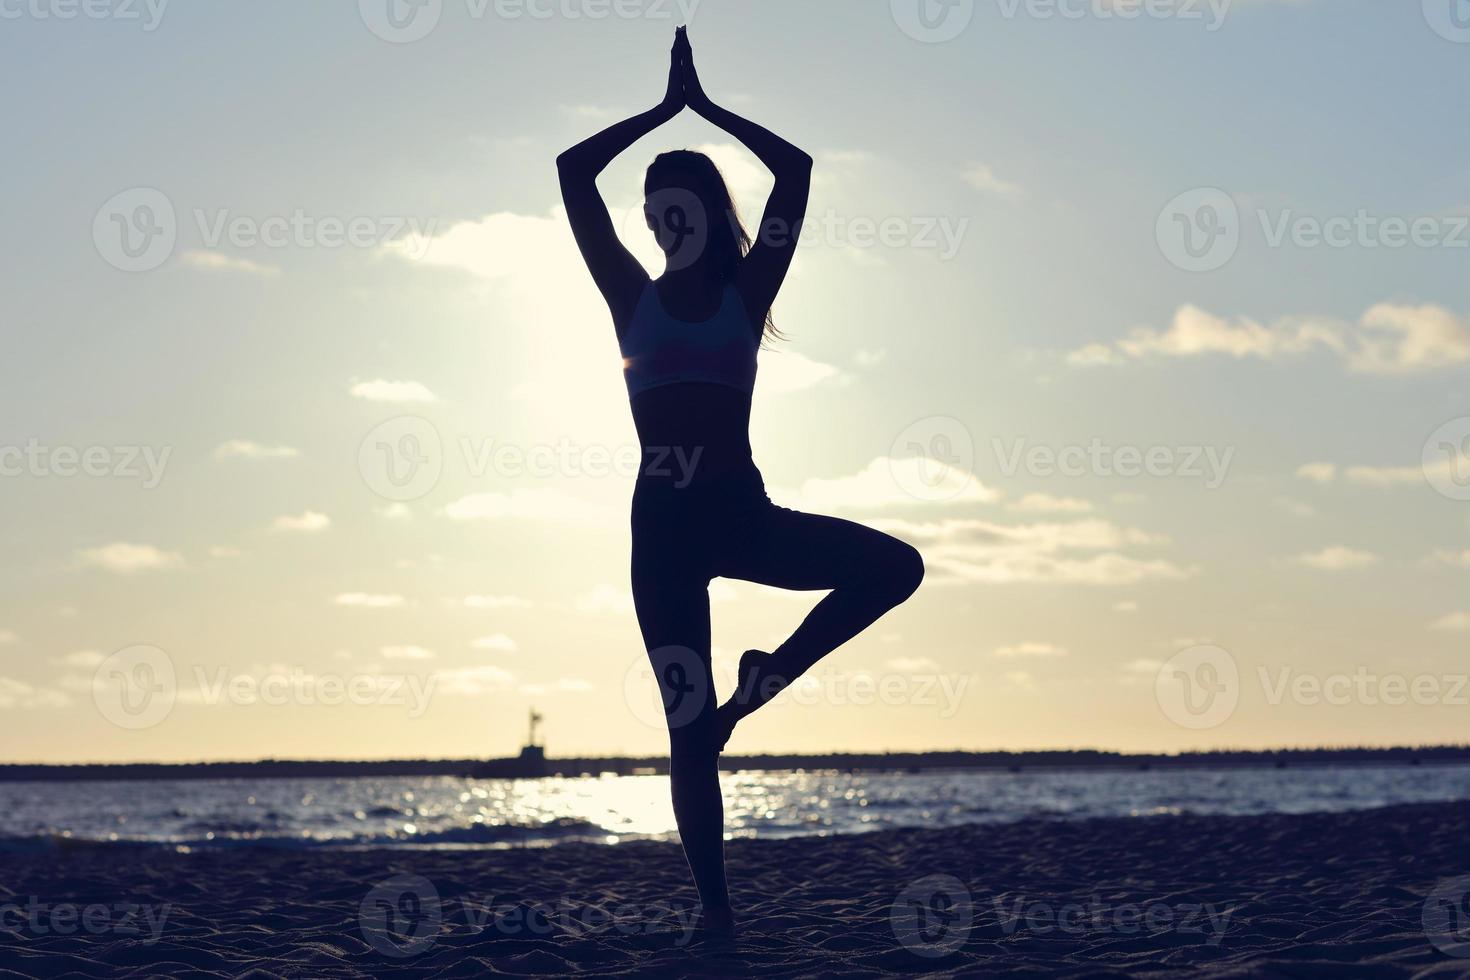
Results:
<point x="660" y="350"/>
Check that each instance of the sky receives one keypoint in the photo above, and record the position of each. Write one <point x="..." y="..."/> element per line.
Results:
<point x="1146" y="324"/>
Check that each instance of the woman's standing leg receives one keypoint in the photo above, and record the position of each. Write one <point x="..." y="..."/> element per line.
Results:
<point x="672" y="603"/>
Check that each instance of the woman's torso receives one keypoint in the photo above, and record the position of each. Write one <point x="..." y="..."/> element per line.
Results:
<point x="690" y="373"/>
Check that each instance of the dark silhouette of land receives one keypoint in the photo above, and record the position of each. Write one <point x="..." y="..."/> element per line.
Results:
<point x="519" y="767"/>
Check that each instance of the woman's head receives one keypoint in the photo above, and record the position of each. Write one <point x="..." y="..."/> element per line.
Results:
<point x="688" y="207"/>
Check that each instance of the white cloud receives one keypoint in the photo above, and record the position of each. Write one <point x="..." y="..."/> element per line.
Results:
<point x="749" y="182"/>
<point x="495" y="602"/>
<point x="1021" y="679"/>
<point x="1461" y="558"/>
<point x="495" y="641"/>
<point x="882" y="484"/>
<point x="1338" y="558"/>
<point x="18" y="694"/>
<point x="1127" y="606"/>
<point x="87" y="659"/>
<point x="983" y="178"/>
<point x="7" y="637"/>
<point x="473" y="681"/>
<point x="1387" y="339"/>
<point x="1031" y="649"/>
<point x="397" y="511"/>
<point x="1317" y="472"/>
<point x="1457" y="622"/>
<point x="211" y="261"/>
<point x="523" y="505"/>
<point x="220" y="551"/>
<point x="584" y="112"/>
<point x="912" y="665"/>
<point x="722" y="591"/>
<point x="564" y="685"/>
<point x="1087" y="552"/>
<point x="605" y="598"/>
<point x="1385" y="476"/>
<point x="865" y="358"/>
<point x="1045" y="503"/>
<point x="408" y="652"/>
<point x="246" y="449"/>
<point x="785" y="370"/>
<point x="1092" y="355"/>
<point x="382" y="390"/>
<point x="1295" y="507"/>
<point x="1401" y="339"/>
<point x="1446" y="467"/>
<point x="1195" y="332"/>
<point x="126" y="559"/>
<point x="370" y="600"/>
<point x="1143" y="665"/>
<point x="309" y="522"/>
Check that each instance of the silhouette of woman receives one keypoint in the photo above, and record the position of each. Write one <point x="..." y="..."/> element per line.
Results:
<point x="689" y="342"/>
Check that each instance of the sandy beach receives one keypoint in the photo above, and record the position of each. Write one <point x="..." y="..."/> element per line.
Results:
<point x="1368" y="894"/>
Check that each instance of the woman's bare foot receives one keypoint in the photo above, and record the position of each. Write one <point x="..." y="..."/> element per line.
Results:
<point x="717" y="923"/>
<point x="743" y="701"/>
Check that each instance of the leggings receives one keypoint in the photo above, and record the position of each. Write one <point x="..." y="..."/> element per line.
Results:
<point x="728" y="527"/>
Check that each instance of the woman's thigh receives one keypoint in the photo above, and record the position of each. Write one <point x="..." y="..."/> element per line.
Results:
<point x="671" y="599"/>
<point x="790" y="549"/>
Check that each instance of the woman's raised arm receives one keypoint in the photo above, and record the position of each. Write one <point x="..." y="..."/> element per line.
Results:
<point x="764" y="267"/>
<point x="618" y="275"/>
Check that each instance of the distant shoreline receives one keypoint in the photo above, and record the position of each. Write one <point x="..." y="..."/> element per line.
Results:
<point x="512" y="768"/>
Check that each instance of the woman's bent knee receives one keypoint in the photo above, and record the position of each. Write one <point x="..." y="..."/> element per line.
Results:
<point x="907" y="570"/>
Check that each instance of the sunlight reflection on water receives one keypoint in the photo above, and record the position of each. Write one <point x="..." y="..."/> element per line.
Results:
<point x="455" y="812"/>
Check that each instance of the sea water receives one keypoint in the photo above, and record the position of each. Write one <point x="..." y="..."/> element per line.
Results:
<point x="444" y="811"/>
